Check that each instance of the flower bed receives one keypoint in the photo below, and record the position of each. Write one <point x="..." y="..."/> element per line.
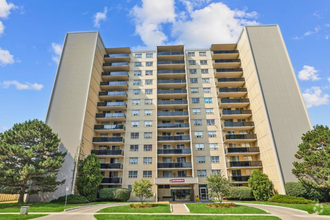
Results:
<point x="142" y="206"/>
<point x="221" y="205"/>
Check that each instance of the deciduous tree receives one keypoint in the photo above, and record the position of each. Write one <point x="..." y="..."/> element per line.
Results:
<point x="218" y="186"/>
<point x="142" y="189"/>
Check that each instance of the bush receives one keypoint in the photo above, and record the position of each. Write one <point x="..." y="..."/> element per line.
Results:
<point x="290" y="199"/>
<point x="261" y="186"/>
<point x="107" y="194"/>
<point x="122" y="195"/>
<point x="72" y="199"/>
<point x="221" y="205"/>
<point x="295" y="189"/>
<point x="142" y="206"/>
<point x="240" y="193"/>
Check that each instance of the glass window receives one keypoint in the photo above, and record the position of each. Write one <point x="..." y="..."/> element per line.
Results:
<point x="135" y="101"/>
<point x="201" y="173"/>
<point x="134" y="147"/>
<point x="196" y="111"/>
<point x="137" y="64"/>
<point x="198" y="134"/>
<point x="203" y="62"/>
<point x="149" y="82"/>
<point x="135" y="135"/>
<point x="199" y="146"/>
<point x="147" y="147"/>
<point x="133" y="160"/>
<point x="212" y="134"/>
<point x="197" y="122"/>
<point x="210" y="121"/>
<point x="208" y="100"/>
<point x="206" y="80"/>
<point x="147" y="160"/>
<point x="193" y="80"/>
<point x="137" y="72"/>
<point x="204" y="71"/>
<point x="136" y="91"/>
<point x="149" y="72"/>
<point x="135" y="112"/>
<point x="147" y="112"/>
<point x="195" y="100"/>
<point x="138" y="55"/>
<point x="192" y="62"/>
<point x="200" y="159"/>
<point x="191" y="54"/>
<point x="149" y="63"/>
<point x="147" y="174"/>
<point x="147" y="135"/>
<point x="135" y="123"/>
<point x="192" y="71"/>
<point x="218" y="172"/>
<point x="213" y="146"/>
<point x="149" y="55"/>
<point x="148" y="101"/>
<point x="202" y="54"/>
<point x="194" y="90"/>
<point x="207" y="90"/>
<point x="215" y="159"/>
<point x="137" y="82"/>
<point x="209" y="111"/>
<point x="147" y="123"/>
<point x="132" y="174"/>
<point x="129" y="187"/>
<point x="148" y="91"/>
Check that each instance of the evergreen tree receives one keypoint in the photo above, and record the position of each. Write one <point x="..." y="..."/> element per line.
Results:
<point x="261" y="186"/>
<point x="218" y="186"/>
<point x="29" y="159"/>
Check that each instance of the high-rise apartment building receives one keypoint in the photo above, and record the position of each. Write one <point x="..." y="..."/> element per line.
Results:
<point x="175" y="115"/>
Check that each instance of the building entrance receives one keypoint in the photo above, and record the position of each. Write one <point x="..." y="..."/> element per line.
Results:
<point x="203" y="193"/>
<point x="175" y="193"/>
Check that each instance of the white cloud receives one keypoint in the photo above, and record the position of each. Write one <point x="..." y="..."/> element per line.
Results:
<point x="99" y="16"/>
<point x="314" y="97"/>
<point x="57" y="50"/>
<point x="21" y="86"/>
<point x="2" y="28"/>
<point x="316" y="15"/>
<point x="316" y="29"/>
<point x="308" y="73"/>
<point x="5" y="8"/>
<point x="327" y="25"/>
<point x="6" y="57"/>
<point x="327" y="37"/>
<point x="329" y="79"/>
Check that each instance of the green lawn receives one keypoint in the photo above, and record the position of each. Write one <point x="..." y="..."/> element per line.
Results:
<point x="160" y="208"/>
<point x="19" y="217"/>
<point x="239" y="209"/>
<point x="181" y="217"/>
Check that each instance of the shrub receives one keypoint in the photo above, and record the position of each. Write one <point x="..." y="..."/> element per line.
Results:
<point x="72" y="199"/>
<point x="295" y="189"/>
<point x="261" y="186"/>
<point x="221" y="205"/>
<point x="122" y="194"/>
<point x="290" y="199"/>
<point x="107" y="194"/>
<point x="240" y="193"/>
<point x="142" y="206"/>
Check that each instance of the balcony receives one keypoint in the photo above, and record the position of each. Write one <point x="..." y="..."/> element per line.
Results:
<point x="110" y="116"/>
<point x="174" y="151"/>
<point x="109" y="128"/>
<point x="115" y="66"/>
<point x="108" y="140"/>
<point x="174" y="165"/>
<point x="244" y="125"/>
<point x="229" y="72"/>
<point x="174" y="93"/>
<point x="240" y="137"/>
<point x="111" y="180"/>
<point x="174" y="138"/>
<point x="113" y="95"/>
<point x="111" y="166"/>
<point x="224" y="54"/>
<point x="232" y="92"/>
<point x="176" y="180"/>
<point x="233" y="103"/>
<point x="240" y="164"/>
<point x="178" y="104"/>
<point x="121" y="85"/>
<point x="108" y="152"/>
<point x="171" y="65"/>
<point x="239" y="178"/>
<point x="171" y="83"/>
<point x="238" y="114"/>
<point x="242" y="150"/>
<point x="171" y="74"/>
<point x="176" y="114"/>
<point x="173" y="126"/>
<point x="226" y="63"/>
<point x="230" y="82"/>
<point x="122" y="75"/>
<point x="104" y="106"/>
<point x="120" y="57"/>
<point x="170" y="55"/>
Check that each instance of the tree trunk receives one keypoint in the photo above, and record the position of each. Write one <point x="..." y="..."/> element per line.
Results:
<point x="21" y="198"/>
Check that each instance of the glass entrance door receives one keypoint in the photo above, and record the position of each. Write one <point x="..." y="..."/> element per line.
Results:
<point x="203" y="194"/>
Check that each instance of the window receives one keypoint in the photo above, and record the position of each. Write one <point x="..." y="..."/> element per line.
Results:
<point x="129" y="187"/>
<point x="135" y="101"/>
<point x="204" y="71"/>
<point x="218" y="172"/>
<point x="193" y="80"/>
<point x="247" y="158"/>
<point x="135" y="124"/>
<point x="136" y="91"/>
<point x="194" y="90"/>
<point x="136" y="64"/>
<point x="147" y="160"/>
<point x="203" y="62"/>
<point x="135" y="135"/>
<point x="212" y="134"/>
<point x="199" y="146"/>
<point x="137" y="73"/>
<point x="201" y="173"/>
<point x="210" y="121"/>
<point x="137" y="82"/>
<point x="147" y="112"/>
<point x="148" y="91"/>
<point x="149" y="63"/>
<point x="213" y="146"/>
<point x="135" y="112"/>
<point x="192" y="62"/>
<point x="200" y="159"/>
<point x="149" y="82"/>
<point x="196" y="111"/>
<point x="208" y="100"/>
<point x="191" y="54"/>
<point x="147" y="135"/>
<point x="148" y="101"/>
<point x="209" y="111"/>
<point x="214" y="159"/>
<point x="192" y="71"/>
<point x="248" y="171"/>
<point x="147" y="174"/>
<point x="133" y="160"/>
<point x="147" y="123"/>
<point x="149" y="72"/>
<point x="132" y="174"/>
<point x="207" y="90"/>
<point x="134" y="148"/>
<point x="197" y="122"/>
<point x="202" y="54"/>
<point x="195" y="100"/>
<point x="138" y="55"/>
<point x="147" y="147"/>
<point x="206" y="80"/>
<point x="149" y="55"/>
<point x="198" y="134"/>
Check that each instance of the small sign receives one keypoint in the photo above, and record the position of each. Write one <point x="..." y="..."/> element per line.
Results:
<point x="177" y="180"/>
<point x="67" y="189"/>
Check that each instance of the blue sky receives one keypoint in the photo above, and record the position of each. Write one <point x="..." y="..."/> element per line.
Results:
<point x="32" y="33"/>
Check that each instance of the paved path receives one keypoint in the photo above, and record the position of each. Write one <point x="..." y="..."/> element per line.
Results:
<point x="179" y="209"/>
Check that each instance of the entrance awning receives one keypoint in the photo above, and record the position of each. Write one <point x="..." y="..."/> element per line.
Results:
<point x="176" y="180"/>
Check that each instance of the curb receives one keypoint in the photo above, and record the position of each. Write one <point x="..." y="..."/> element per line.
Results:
<point x="171" y="207"/>
<point x="186" y="208"/>
<point x="275" y="206"/>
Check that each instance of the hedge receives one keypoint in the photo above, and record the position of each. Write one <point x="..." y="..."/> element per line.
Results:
<point x="240" y="193"/>
<point x="290" y="199"/>
<point x="72" y="199"/>
<point x="295" y="189"/>
<point x="122" y="195"/>
<point x="115" y="194"/>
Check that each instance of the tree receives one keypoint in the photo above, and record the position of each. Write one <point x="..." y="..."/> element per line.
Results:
<point x="89" y="177"/>
<point x="218" y="186"/>
<point x="142" y="189"/>
<point x="313" y="168"/>
<point x="29" y="159"/>
<point x="261" y="186"/>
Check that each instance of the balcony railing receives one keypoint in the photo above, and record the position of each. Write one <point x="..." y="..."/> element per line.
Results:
<point x="234" y="100"/>
<point x="232" y="90"/>
<point x="173" y="176"/>
<point x="228" y="61"/>
<point x="122" y="73"/>
<point x="240" y="136"/>
<point x="171" y="81"/>
<point x="174" y="91"/>
<point x="173" y="125"/>
<point x="242" y="150"/>
<point x="170" y="62"/>
<point x="229" y="70"/>
<point x="110" y="115"/>
<point x="109" y="127"/>
<point x="174" y="138"/>
<point x="236" y="112"/>
<point x="116" y="64"/>
<point x="114" y="83"/>
<point x="224" y="51"/>
<point x="231" y="79"/>
<point x="255" y="163"/>
<point x="169" y="53"/>
<point x="238" y="124"/>
<point x="174" y="151"/>
<point x="112" y="180"/>
<point x="174" y="165"/>
<point x="173" y="102"/>
<point x="116" y="55"/>
<point x="170" y="71"/>
<point x="108" y="139"/>
<point x="114" y="93"/>
<point x="177" y="113"/>
<point x="111" y="166"/>
<point x="108" y="152"/>
<point x="239" y="178"/>
<point x="111" y="104"/>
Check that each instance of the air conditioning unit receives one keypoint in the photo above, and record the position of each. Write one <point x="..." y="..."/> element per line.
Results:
<point x="199" y="136"/>
<point x="148" y="114"/>
<point x="213" y="135"/>
<point x="135" y="114"/>
<point x="134" y="125"/>
<point x="136" y="93"/>
<point x="135" y="103"/>
<point x="147" y="103"/>
<point x="148" y="125"/>
<point x="200" y="149"/>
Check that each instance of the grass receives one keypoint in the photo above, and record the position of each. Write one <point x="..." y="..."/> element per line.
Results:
<point x="19" y="217"/>
<point x="181" y="217"/>
<point x="160" y="208"/>
<point x="239" y="209"/>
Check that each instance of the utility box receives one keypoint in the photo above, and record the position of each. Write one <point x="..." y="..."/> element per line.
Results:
<point x="24" y="210"/>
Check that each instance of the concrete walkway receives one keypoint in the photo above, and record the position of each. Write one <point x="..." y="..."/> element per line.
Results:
<point x="179" y="209"/>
